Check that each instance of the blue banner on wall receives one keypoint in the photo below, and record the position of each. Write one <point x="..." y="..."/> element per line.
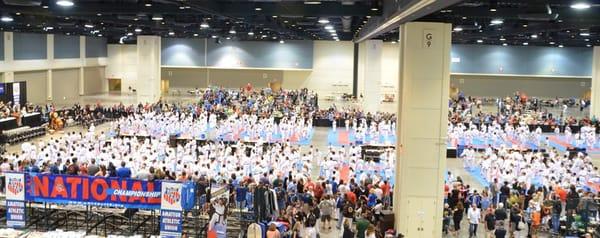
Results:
<point x="93" y="191"/>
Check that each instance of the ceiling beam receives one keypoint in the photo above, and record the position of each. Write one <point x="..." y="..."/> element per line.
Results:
<point x="405" y="12"/>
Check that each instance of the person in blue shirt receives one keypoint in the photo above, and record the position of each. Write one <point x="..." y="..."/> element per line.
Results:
<point x="123" y="172"/>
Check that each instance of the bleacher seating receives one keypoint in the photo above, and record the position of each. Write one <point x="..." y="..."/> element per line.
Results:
<point x="22" y="134"/>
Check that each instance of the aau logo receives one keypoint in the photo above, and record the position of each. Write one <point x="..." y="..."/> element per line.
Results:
<point x="172" y="195"/>
<point x="15" y="185"/>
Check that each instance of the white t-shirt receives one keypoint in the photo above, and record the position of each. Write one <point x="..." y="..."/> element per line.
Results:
<point x="474" y="215"/>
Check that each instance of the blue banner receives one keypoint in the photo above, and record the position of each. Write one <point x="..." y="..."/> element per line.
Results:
<point x="171" y="223"/>
<point x="93" y="191"/>
<point x="15" y="214"/>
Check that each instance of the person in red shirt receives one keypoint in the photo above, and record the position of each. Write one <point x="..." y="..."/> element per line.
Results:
<point x="309" y="186"/>
<point x="318" y="191"/>
<point x="351" y="196"/>
<point x="385" y="187"/>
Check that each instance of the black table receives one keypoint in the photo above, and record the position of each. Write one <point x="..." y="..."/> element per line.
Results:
<point x="8" y="123"/>
<point x="32" y="119"/>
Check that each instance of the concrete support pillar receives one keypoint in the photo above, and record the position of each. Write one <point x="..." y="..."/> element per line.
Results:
<point x="424" y="81"/>
<point x="9" y="76"/>
<point x="148" y="70"/>
<point x="82" y="57"/>
<point x="49" y="85"/>
<point x="371" y="74"/>
<point x="595" y="100"/>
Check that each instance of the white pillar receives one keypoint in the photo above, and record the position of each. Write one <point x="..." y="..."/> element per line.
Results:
<point x="49" y="85"/>
<point x="148" y="70"/>
<point x="9" y="76"/>
<point x="371" y="74"/>
<point x="595" y="100"/>
<point x="82" y="58"/>
<point x="422" y="124"/>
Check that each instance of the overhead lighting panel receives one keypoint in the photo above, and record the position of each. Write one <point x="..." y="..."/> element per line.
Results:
<point x="204" y="25"/>
<point x="65" y="3"/>
<point x="157" y="17"/>
<point x="497" y="22"/>
<point x="323" y="20"/>
<point x="580" y="5"/>
<point x="312" y="2"/>
<point x="6" y="19"/>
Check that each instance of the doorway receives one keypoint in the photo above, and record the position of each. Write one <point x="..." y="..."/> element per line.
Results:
<point x="114" y="85"/>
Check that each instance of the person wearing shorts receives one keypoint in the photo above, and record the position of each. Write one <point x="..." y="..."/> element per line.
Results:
<point x="326" y="209"/>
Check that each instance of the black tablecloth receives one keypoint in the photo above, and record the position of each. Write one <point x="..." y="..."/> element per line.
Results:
<point x="8" y="124"/>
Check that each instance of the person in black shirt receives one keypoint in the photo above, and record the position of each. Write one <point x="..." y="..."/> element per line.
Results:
<point x="500" y="231"/>
<point x="457" y="217"/>
<point x="504" y="192"/>
<point x="490" y="221"/>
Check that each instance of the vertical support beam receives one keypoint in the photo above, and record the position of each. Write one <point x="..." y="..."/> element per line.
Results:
<point x="148" y="70"/>
<point x="372" y="75"/>
<point x="50" y="56"/>
<point x="49" y="85"/>
<point x="82" y="58"/>
<point x="422" y="124"/>
<point x="9" y="56"/>
<point x="355" y="71"/>
<point x="595" y="100"/>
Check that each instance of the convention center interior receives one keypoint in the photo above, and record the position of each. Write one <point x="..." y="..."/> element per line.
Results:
<point x="299" y="118"/>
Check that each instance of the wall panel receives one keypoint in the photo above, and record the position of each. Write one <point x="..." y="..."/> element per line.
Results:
<point x="183" y="79"/>
<point x="521" y="60"/>
<point x="94" y="80"/>
<point x="228" y="78"/>
<point x="183" y="52"/>
<point x="65" y="86"/>
<point x="66" y="47"/>
<point x="36" y="85"/>
<point x="95" y="47"/>
<point x="501" y="86"/>
<point x="29" y="46"/>
<point x="259" y="54"/>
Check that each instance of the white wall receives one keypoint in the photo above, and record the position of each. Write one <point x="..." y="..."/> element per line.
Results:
<point x="390" y="68"/>
<point x="122" y="64"/>
<point x="332" y="70"/>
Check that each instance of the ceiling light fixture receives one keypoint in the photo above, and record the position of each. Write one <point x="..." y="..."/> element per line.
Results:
<point x="88" y="25"/>
<point x="157" y="17"/>
<point x="204" y="25"/>
<point x="45" y="7"/>
<point x="502" y="38"/>
<point x="258" y="9"/>
<point x="323" y="20"/>
<point x="497" y="21"/>
<point x="49" y="28"/>
<point x="129" y="33"/>
<point x="195" y="34"/>
<point x="394" y="42"/>
<point x="374" y="9"/>
<point x="580" y="5"/>
<point x="328" y="27"/>
<point x="584" y="34"/>
<point x="480" y="41"/>
<point x="228" y="38"/>
<point x="504" y="44"/>
<point x="588" y="45"/>
<point x="213" y="36"/>
<point x="312" y="2"/>
<point x="148" y="4"/>
<point x="458" y="29"/>
<point x="7" y="19"/>
<point x="561" y="46"/>
<point x="534" y="36"/>
<point x="232" y="31"/>
<point x="281" y="42"/>
<point x="138" y="30"/>
<point x="250" y="33"/>
<point x="100" y="35"/>
<point x="552" y="42"/>
<point x="525" y="43"/>
<point x="65" y="3"/>
<point x="171" y="33"/>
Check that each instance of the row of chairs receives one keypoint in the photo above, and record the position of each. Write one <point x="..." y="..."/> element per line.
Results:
<point x="22" y="134"/>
